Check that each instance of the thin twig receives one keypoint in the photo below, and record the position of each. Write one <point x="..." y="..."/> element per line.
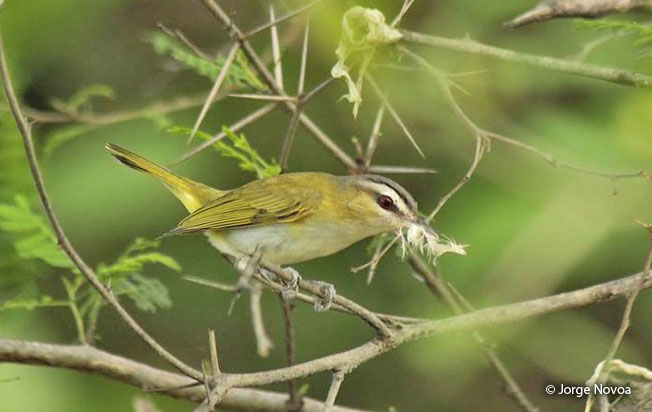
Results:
<point x="394" y="114"/>
<point x="235" y="33"/>
<point x="267" y="97"/>
<point x="336" y="382"/>
<point x="608" y="74"/>
<point x="478" y="132"/>
<point x="282" y="18"/>
<point x="376" y="257"/>
<point x="248" y="119"/>
<point x="216" y="88"/>
<point x="100" y="119"/>
<point x="388" y="169"/>
<point x="480" y="146"/>
<point x="304" y="60"/>
<point x="294" y="402"/>
<point x="459" y="305"/>
<point x="365" y="314"/>
<point x="373" y="138"/>
<point x="276" y="50"/>
<point x="178" y="34"/>
<point x="263" y="343"/>
<point x="404" y="9"/>
<point x="625" y="321"/>
<point x="62" y="239"/>
<point x="289" y="139"/>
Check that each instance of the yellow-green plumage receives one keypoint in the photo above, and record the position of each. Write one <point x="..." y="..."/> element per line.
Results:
<point x="290" y="218"/>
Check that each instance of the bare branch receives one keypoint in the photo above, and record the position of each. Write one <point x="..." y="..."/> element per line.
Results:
<point x="62" y="239"/>
<point x="267" y="77"/>
<point x="604" y="372"/>
<point x="90" y="360"/>
<point x="163" y="107"/>
<point x="482" y="318"/>
<point x="459" y="305"/>
<point x="482" y="134"/>
<point x="550" y="9"/>
<point x="365" y="314"/>
<point x="559" y="65"/>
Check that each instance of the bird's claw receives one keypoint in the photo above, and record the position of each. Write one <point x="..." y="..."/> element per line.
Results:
<point x="324" y="301"/>
<point x="290" y="288"/>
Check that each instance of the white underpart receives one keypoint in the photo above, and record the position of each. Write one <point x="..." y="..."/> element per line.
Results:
<point x="280" y="244"/>
<point x="425" y="242"/>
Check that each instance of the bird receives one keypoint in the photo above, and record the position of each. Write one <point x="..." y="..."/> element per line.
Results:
<point x="288" y="218"/>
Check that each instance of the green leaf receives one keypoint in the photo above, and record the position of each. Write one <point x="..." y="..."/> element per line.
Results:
<point x="642" y="32"/>
<point x="34" y="238"/>
<point x="239" y="74"/>
<point x="136" y="263"/>
<point x="42" y="246"/>
<point x="239" y="149"/>
<point x="148" y="294"/>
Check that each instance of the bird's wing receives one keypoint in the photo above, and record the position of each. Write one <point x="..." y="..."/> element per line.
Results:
<point x="251" y="205"/>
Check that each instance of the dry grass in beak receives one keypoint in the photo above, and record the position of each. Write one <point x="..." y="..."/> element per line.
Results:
<point x="423" y="238"/>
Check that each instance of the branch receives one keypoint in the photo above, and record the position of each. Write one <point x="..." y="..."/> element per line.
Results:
<point x="550" y="9"/>
<point x="237" y="35"/>
<point x="62" y="239"/>
<point x="100" y="119"/>
<point x="468" y="322"/>
<point x="437" y="287"/>
<point x="483" y="134"/>
<point x="90" y="360"/>
<point x="607" y="74"/>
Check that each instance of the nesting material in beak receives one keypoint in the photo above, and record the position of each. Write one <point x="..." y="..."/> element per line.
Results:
<point x="422" y="237"/>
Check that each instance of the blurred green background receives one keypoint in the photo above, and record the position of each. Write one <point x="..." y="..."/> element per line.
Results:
<point x="532" y="230"/>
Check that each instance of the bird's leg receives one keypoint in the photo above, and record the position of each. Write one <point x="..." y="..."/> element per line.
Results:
<point x="290" y="288"/>
<point x="328" y="294"/>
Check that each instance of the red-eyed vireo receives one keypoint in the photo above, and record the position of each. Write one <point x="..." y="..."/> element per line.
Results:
<point x="293" y="217"/>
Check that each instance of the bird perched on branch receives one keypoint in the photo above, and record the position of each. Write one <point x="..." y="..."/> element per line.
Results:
<point x="293" y="217"/>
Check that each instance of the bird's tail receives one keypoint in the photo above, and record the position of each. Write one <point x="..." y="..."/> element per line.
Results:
<point x="193" y="195"/>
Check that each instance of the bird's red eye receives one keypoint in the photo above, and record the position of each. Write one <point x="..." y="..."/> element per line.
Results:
<point x="385" y="202"/>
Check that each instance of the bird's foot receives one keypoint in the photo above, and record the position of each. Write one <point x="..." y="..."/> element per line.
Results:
<point x="290" y="288"/>
<point x="324" y="300"/>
